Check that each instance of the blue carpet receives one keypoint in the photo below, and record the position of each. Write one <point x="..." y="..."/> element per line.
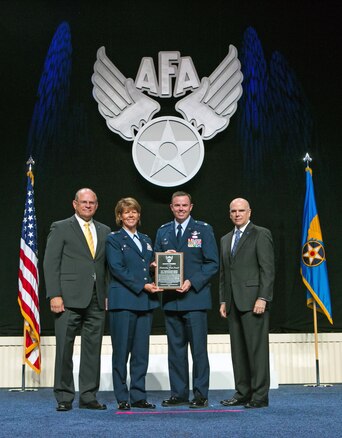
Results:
<point x="294" y="410"/>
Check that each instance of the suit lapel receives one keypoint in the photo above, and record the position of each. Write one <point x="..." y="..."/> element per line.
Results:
<point x="188" y="233"/>
<point x="100" y="240"/>
<point x="244" y="237"/>
<point x="172" y="236"/>
<point x="79" y="233"/>
<point x="129" y="241"/>
<point x="143" y="244"/>
<point x="229" y="245"/>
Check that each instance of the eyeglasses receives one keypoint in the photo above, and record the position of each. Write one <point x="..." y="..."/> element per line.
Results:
<point x="91" y="203"/>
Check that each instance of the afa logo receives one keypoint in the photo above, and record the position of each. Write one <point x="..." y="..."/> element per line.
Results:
<point x="167" y="151"/>
<point x="313" y="253"/>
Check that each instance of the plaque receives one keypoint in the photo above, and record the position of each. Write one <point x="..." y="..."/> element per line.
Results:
<point x="169" y="270"/>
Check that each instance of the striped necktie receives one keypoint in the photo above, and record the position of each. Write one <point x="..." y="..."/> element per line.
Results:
<point x="89" y="238"/>
<point x="236" y="241"/>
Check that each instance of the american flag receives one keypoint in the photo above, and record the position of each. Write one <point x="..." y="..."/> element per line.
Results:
<point x="28" y="280"/>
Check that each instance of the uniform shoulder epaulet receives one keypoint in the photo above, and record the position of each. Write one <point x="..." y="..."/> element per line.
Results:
<point x="115" y="232"/>
<point x="165" y="225"/>
<point x="205" y="224"/>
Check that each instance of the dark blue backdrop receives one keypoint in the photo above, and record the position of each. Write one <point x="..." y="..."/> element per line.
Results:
<point x="291" y="105"/>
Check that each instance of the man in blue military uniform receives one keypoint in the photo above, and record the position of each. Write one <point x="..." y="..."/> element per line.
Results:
<point x="186" y="308"/>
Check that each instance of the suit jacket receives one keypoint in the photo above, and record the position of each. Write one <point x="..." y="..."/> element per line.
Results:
<point x="130" y="271"/>
<point x="69" y="268"/>
<point x="201" y="262"/>
<point x="250" y="273"/>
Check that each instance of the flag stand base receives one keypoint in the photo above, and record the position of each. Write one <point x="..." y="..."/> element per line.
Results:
<point x="23" y="389"/>
<point x="23" y="383"/>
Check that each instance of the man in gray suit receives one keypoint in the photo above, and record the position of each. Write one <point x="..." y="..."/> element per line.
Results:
<point x="75" y="278"/>
<point x="246" y="289"/>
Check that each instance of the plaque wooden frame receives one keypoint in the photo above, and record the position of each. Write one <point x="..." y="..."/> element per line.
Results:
<point x="167" y="263"/>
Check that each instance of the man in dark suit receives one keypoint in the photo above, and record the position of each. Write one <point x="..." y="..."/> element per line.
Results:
<point x="246" y="289"/>
<point x="75" y="278"/>
<point x="186" y="308"/>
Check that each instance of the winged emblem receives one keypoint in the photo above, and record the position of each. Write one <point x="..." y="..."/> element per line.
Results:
<point x="211" y="106"/>
<point x="124" y="107"/>
<point x="168" y="151"/>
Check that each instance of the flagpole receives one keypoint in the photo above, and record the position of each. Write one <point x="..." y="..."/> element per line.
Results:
<point x="318" y="382"/>
<point x="307" y="159"/>
<point x="316" y="343"/>
<point x="23" y="365"/>
<point x="23" y="370"/>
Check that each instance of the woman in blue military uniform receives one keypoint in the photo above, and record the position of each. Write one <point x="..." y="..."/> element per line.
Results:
<point x="132" y="297"/>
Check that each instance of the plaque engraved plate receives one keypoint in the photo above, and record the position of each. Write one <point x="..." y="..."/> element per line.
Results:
<point x="169" y="270"/>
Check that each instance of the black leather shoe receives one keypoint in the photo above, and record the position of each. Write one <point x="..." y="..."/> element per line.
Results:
<point x="174" y="401"/>
<point x="124" y="406"/>
<point x="234" y="402"/>
<point x="64" y="406"/>
<point x="143" y="404"/>
<point x="256" y="404"/>
<point x="93" y="405"/>
<point x="199" y="402"/>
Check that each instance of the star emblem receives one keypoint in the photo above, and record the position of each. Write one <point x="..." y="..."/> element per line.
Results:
<point x="313" y="253"/>
<point x="168" y="151"/>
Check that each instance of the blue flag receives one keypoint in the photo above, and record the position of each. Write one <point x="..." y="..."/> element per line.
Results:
<point x="313" y="262"/>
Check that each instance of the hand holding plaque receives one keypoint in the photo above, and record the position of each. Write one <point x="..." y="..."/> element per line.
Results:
<point x="169" y="270"/>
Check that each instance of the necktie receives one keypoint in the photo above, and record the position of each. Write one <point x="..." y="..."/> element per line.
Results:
<point x="236" y="241"/>
<point x="137" y="242"/>
<point x="179" y="232"/>
<point x="89" y="238"/>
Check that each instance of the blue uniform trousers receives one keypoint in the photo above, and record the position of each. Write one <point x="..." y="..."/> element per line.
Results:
<point x="183" y="329"/>
<point x="130" y="331"/>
